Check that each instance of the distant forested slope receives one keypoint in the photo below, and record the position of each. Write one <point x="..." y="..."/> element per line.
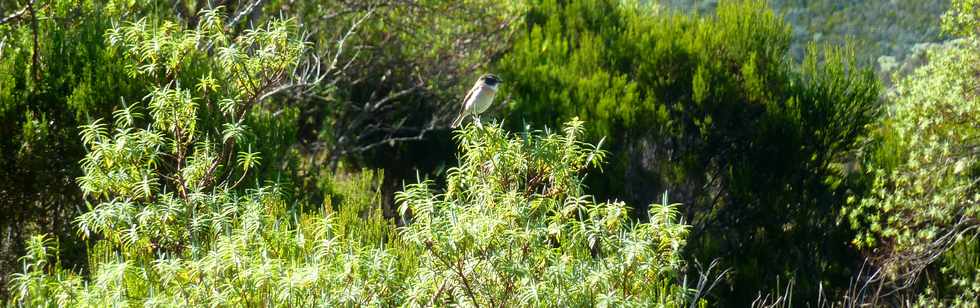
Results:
<point x="877" y="27"/>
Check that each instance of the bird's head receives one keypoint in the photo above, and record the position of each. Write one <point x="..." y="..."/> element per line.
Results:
<point x="490" y="80"/>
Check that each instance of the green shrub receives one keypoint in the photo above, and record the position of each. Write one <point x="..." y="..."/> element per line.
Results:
<point x="69" y="78"/>
<point x="513" y="228"/>
<point x="713" y="109"/>
<point x="922" y="214"/>
<point x="47" y="90"/>
<point x="173" y="218"/>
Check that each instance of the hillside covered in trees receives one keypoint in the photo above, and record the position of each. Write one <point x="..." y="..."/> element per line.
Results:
<point x="875" y="28"/>
<point x="637" y="153"/>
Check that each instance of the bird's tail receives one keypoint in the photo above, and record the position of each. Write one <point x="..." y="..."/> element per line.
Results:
<point x="458" y="120"/>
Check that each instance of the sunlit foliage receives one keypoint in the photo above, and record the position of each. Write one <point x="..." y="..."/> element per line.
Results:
<point x="924" y="206"/>
<point x="514" y="227"/>
<point x="170" y="225"/>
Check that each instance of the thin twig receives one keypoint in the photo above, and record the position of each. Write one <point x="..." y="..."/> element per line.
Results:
<point x="442" y="287"/>
<point x="458" y="272"/>
<point x="238" y="17"/>
<point x="36" y="57"/>
<point x="350" y="31"/>
<point x="17" y="14"/>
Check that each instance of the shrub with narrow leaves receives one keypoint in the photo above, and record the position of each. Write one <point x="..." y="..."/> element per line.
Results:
<point x="174" y="220"/>
<point x="514" y="227"/>
<point x="156" y="172"/>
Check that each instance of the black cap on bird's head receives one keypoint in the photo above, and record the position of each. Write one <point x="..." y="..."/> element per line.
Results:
<point x="490" y="79"/>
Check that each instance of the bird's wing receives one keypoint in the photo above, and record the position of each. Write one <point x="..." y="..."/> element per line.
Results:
<point x="466" y="99"/>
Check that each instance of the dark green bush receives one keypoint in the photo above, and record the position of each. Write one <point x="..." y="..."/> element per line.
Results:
<point x="712" y="109"/>
<point x="47" y="90"/>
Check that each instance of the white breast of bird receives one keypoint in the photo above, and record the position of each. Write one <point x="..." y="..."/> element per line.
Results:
<point x="482" y="100"/>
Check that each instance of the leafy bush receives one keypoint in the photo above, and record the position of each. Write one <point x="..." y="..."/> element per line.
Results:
<point x="713" y="109"/>
<point x="170" y="223"/>
<point x="923" y="212"/>
<point x="71" y="76"/>
<point x="515" y="228"/>
<point x="48" y="87"/>
<point x="512" y="228"/>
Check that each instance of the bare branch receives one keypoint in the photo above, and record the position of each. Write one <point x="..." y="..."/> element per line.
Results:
<point x="245" y="11"/>
<point x="394" y="96"/>
<point x="36" y="57"/>
<point x="350" y="31"/>
<point x="17" y="14"/>
<point x="898" y="271"/>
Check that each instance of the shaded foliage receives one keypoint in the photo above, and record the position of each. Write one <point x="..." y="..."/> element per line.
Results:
<point x="55" y="74"/>
<point x="712" y="109"/>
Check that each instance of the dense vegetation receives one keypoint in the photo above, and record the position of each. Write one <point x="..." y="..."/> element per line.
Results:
<point x="713" y="110"/>
<point x="875" y="28"/>
<point x="922" y="210"/>
<point x="297" y="153"/>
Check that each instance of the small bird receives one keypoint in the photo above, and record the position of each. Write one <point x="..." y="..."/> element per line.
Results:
<point x="479" y="98"/>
